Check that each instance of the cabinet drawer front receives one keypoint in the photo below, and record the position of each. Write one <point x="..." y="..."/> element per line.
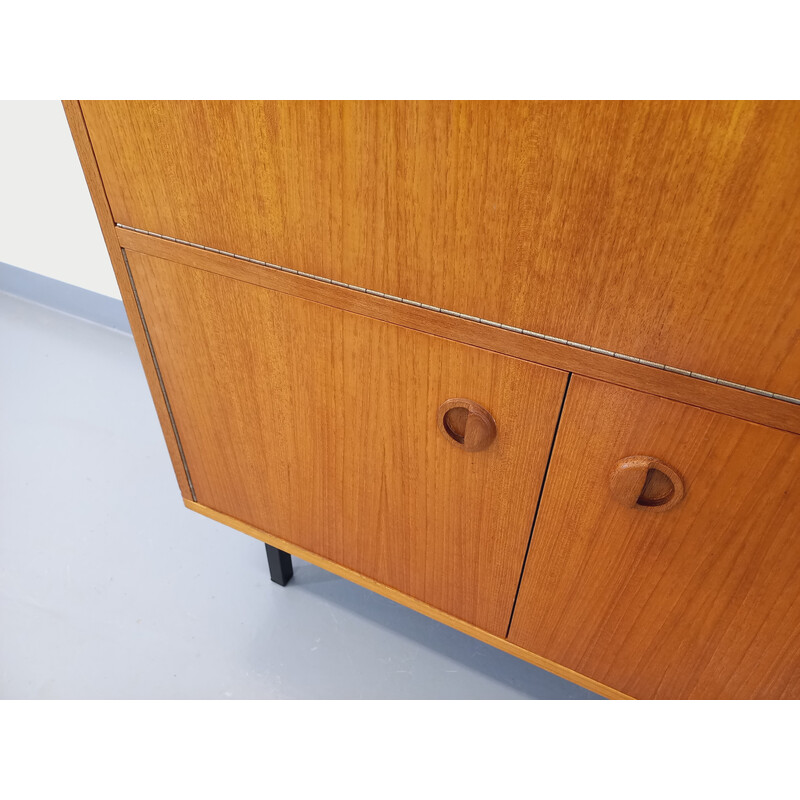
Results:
<point x="666" y="231"/>
<point x="321" y="427"/>
<point x="696" y="600"/>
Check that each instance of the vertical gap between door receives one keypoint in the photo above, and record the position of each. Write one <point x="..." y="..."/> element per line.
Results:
<point x="539" y="501"/>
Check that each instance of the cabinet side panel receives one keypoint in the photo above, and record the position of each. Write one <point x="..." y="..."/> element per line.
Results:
<point x="83" y="145"/>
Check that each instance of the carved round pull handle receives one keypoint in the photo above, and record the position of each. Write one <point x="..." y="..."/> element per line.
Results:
<point x="466" y="424"/>
<point x="646" y="482"/>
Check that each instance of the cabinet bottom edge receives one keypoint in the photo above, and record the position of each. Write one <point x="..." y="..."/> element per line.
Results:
<point x="408" y="602"/>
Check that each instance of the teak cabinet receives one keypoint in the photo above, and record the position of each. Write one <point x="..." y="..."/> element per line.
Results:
<point x="530" y="368"/>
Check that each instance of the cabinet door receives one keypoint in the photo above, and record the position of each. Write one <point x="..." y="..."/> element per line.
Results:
<point x="697" y="600"/>
<point x="320" y="426"/>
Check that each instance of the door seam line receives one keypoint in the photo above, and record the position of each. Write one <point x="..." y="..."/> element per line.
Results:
<point x="539" y="501"/>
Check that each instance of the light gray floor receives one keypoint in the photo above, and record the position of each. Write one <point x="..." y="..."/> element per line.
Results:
<point x="110" y="588"/>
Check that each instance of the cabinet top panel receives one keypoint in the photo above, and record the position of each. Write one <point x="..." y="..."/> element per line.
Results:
<point x="667" y="231"/>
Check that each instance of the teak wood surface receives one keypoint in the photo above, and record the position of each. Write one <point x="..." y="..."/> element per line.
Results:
<point x="726" y="400"/>
<point x="667" y="227"/>
<point x="700" y="601"/>
<point x="668" y="231"/>
<point x="94" y="181"/>
<point x="321" y="426"/>
<point x="410" y="602"/>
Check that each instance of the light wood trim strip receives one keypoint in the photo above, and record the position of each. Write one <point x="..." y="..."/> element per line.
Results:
<point x="409" y="602"/>
<point x="673" y="386"/>
<point x="97" y="191"/>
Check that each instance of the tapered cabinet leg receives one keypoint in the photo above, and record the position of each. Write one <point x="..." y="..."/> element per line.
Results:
<point x="280" y="565"/>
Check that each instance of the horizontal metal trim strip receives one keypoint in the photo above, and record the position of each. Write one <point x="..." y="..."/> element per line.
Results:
<point x="488" y="323"/>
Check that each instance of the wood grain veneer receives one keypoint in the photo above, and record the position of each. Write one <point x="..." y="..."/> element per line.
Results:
<point x="668" y="231"/>
<point x="321" y="426"/>
<point x="410" y="602"/>
<point x="699" y="601"/>
<point x="765" y="410"/>
<point x="94" y="181"/>
<point x="308" y="418"/>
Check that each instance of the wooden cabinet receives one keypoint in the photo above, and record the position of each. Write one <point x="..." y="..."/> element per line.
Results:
<point x="699" y="600"/>
<point x="320" y="426"/>
<point x="532" y="369"/>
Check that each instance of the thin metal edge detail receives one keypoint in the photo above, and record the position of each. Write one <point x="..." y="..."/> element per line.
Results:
<point x="158" y="374"/>
<point x="489" y="323"/>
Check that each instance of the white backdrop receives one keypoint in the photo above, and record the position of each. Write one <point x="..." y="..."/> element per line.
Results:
<point x="47" y="221"/>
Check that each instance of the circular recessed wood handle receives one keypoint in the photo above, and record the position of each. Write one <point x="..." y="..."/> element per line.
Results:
<point x="466" y="424"/>
<point x="646" y="482"/>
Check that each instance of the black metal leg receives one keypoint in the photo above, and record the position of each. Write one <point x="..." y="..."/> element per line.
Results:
<point x="280" y="565"/>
